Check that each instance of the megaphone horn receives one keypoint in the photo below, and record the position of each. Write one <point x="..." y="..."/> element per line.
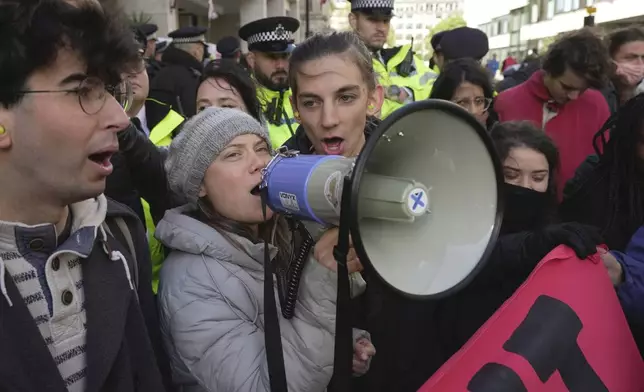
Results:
<point x="424" y="199"/>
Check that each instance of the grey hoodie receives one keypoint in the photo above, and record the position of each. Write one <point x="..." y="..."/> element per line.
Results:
<point x="212" y="316"/>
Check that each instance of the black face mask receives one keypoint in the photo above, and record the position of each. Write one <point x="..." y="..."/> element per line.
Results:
<point x="525" y="208"/>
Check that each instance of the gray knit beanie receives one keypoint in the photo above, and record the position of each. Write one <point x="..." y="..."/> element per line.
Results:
<point x="201" y="140"/>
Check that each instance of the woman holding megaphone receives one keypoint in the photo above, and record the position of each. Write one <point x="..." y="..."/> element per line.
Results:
<point x="211" y="285"/>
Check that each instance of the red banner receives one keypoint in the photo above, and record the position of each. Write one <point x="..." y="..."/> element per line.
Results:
<point x="562" y="331"/>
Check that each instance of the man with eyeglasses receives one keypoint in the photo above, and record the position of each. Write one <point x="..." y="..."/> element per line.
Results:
<point x="76" y="308"/>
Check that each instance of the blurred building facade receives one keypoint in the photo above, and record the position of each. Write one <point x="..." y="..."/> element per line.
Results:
<point x="230" y="14"/>
<point x="521" y="25"/>
<point x="414" y="18"/>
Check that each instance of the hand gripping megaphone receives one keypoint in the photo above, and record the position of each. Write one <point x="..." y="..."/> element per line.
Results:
<point x="424" y="198"/>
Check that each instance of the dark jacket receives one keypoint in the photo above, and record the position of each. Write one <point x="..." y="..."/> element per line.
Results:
<point x="587" y="200"/>
<point x="137" y="174"/>
<point x="145" y="163"/>
<point x="122" y="325"/>
<point x="522" y="74"/>
<point x="175" y="86"/>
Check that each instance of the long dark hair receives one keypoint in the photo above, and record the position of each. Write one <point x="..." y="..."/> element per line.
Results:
<point x="619" y="161"/>
<point x="274" y="230"/>
<point x="239" y="79"/>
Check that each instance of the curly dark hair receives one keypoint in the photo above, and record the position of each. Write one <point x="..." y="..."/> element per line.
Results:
<point x="584" y="53"/>
<point x="239" y="79"/>
<point x="32" y="32"/>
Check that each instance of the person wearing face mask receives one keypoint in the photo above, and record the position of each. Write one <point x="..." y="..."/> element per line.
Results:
<point x="626" y="49"/>
<point x="466" y="83"/>
<point x="211" y="291"/>
<point x="175" y="86"/>
<point x="562" y="99"/>
<point x="529" y="231"/>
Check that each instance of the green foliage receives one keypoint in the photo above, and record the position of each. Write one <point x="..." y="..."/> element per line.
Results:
<point x="451" y="22"/>
<point x="141" y="17"/>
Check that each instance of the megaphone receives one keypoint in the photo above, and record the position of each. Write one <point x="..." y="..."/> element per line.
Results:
<point x="424" y="197"/>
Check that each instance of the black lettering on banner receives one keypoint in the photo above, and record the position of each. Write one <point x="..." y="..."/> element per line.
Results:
<point x="494" y="377"/>
<point x="547" y="339"/>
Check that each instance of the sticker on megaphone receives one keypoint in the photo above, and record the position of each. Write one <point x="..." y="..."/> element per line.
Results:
<point x="310" y="187"/>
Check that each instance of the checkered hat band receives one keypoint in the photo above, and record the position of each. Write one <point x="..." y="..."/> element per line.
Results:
<point x="270" y="36"/>
<point x="189" y="40"/>
<point x="361" y="4"/>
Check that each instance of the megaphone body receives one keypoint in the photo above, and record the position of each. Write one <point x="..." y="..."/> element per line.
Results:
<point x="310" y="187"/>
<point x="424" y="199"/>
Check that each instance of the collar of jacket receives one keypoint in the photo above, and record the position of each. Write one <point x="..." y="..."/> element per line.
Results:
<point x="266" y="95"/>
<point x="87" y="216"/>
<point x="181" y="232"/>
<point x="174" y="56"/>
<point x="108" y="302"/>
<point x="301" y="142"/>
<point x="537" y="87"/>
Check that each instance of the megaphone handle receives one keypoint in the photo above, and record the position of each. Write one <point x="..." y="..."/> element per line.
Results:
<point x="342" y="362"/>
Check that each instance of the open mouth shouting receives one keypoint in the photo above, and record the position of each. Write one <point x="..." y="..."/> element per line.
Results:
<point x="333" y="145"/>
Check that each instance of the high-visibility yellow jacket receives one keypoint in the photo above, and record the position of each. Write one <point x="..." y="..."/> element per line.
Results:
<point x="278" y="112"/>
<point x="389" y="64"/>
<point x="161" y="136"/>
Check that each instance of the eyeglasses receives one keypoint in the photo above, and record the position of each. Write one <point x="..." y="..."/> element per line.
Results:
<point x="478" y="104"/>
<point x="92" y="95"/>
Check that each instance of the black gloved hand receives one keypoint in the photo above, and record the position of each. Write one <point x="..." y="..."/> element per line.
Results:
<point x="582" y="239"/>
<point x="127" y="137"/>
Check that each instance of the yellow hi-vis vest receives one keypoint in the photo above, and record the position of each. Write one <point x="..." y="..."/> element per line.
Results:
<point x="420" y="81"/>
<point x="161" y="136"/>
<point x="278" y="113"/>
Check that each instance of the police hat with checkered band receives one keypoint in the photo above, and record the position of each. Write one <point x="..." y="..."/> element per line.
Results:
<point x="189" y="35"/>
<point x="150" y="30"/>
<point x="381" y="8"/>
<point x="270" y="35"/>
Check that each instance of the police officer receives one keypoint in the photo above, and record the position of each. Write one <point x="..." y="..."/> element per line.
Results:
<point x="153" y="65"/>
<point x="464" y="42"/>
<point x="150" y="31"/>
<point x="175" y="85"/>
<point x="270" y="42"/>
<point x="228" y="48"/>
<point x="404" y="75"/>
<point x="437" y="60"/>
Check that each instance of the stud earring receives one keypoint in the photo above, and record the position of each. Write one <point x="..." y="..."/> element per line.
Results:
<point x="2" y="130"/>
<point x="370" y="106"/>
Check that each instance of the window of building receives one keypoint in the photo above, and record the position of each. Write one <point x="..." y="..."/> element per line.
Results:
<point x="400" y="26"/>
<point x="419" y="37"/>
<point x="567" y="5"/>
<point x="575" y="4"/>
<point x="419" y="25"/>
<point x="409" y="37"/>
<point x="504" y="26"/>
<point x="551" y="9"/>
<point x="559" y="6"/>
<point x="534" y="13"/>
<point x="410" y="25"/>
<point x="398" y="37"/>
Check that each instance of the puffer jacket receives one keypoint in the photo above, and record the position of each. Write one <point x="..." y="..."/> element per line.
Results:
<point x="212" y="316"/>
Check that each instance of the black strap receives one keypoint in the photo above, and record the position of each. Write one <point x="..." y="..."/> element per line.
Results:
<point x="343" y="360"/>
<point x="272" y="334"/>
